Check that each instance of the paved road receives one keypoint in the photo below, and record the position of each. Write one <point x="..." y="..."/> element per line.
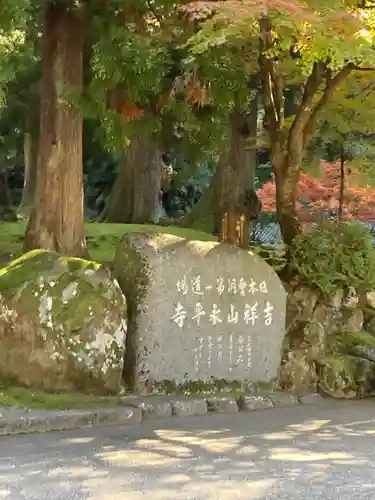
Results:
<point x="325" y="452"/>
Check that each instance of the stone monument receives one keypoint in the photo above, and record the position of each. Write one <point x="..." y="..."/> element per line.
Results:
<point x="198" y="311"/>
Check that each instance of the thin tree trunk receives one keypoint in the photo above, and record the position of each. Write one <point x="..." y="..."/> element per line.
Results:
<point x="135" y="198"/>
<point x="57" y="219"/>
<point x="286" y="180"/>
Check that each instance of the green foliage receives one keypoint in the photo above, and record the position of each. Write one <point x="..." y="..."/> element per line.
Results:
<point x="334" y="256"/>
<point x="274" y="256"/>
<point x="349" y="341"/>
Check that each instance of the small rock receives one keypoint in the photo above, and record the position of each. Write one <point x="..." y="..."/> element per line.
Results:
<point x="189" y="407"/>
<point x="354" y="322"/>
<point x="310" y="399"/>
<point x="351" y="300"/>
<point x="254" y="402"/>
<point x="370" y="297"/>
<point x="151" y="407"/>
<point x="298" y="371"/>
<point x="336" y="300"/>
<point x="222" y="404"/>
<point x="283" y="398"/>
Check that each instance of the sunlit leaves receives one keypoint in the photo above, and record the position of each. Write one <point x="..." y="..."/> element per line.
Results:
<point x="320" y="194"/>
<point x="318" y="30"/>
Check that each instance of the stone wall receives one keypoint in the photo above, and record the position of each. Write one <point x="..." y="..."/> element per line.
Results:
<point x="330" y="342"/>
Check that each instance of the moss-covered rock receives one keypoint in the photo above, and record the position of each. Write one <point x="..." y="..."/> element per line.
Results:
<point x="326" y="342"/>
<point x="346" y="376"/>
<point x="298" y="371"/>
<point x="62" y="324"/>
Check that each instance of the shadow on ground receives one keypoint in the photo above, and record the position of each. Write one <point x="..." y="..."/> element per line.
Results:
<point x="323" y="452"/>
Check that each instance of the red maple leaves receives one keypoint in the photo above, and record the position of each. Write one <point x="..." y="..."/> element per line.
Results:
<point x="201" y="9"/>
<point x="317" y="195"/>
<point x="130" y="111"/>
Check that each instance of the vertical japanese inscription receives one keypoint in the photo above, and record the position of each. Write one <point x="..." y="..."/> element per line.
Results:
<point x="226" y="325"/>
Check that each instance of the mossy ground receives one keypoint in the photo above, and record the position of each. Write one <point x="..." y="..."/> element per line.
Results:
<point x="102" y="238"/>
<point x="19" y="397"/>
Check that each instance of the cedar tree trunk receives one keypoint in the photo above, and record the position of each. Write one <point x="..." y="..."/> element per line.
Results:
<point x="135" y="197"/>
<point x="233" y="182"/>
<point x="57" y="219"/>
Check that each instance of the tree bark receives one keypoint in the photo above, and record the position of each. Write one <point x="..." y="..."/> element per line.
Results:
<point x="135" y="197"/>
<point x="287" y="173"/>
<point x="234" y="187"/>
<point x="57" y="218"/>
<point x="7" y="213"/>
<point x="234" y="178"/>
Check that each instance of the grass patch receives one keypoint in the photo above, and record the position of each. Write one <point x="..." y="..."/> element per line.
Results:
<point x="102" y="237"/>
<point x="19" y="397"/>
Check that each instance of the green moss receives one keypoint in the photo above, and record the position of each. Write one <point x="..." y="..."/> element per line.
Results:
<point x="19" y="397"/>
<point x="214" y="386"/>
<point x="40" y="273"/>
<point x="351" y="340"/>
<point x="102" y="238"/>
<point x="38" y="263"/>
<point x="339" y="375"/>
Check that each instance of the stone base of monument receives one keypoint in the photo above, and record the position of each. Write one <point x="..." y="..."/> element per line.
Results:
<point x="189" y="406"/>
<point x="254" y="402"/>
<point x="134" y="410"/>
<point x="222" y="404"/>
<point x="152" y="407"/>
<point x="198" y="312"/>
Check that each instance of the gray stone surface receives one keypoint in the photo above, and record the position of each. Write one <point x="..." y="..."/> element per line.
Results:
<point x="279" y="398"/>
<point x="310" y="399"/>
<point x="143" y="408"/>
<point x="20" y="421"/>
<point x="222" y="404"/>
<point x="325" y="452"/>
<point x="152" y="406"/>
<point x="189" y="407"/>
<point x="203" y="310"/>
<point x="254" y="402"/>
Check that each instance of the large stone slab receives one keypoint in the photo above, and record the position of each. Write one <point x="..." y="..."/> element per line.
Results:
<point x="198" y="311"/>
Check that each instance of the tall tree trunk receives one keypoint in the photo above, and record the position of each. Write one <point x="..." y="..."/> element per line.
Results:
<point x="135" y="197"/>
<point x="57" y="219"/>
<point x="236" y="171"/>
<point x="234" y="179"/>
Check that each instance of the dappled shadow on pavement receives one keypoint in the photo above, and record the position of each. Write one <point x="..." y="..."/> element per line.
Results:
<point x="324" y="452"/>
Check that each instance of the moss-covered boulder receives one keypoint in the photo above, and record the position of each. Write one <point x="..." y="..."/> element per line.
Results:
<point x="62" y="324"/>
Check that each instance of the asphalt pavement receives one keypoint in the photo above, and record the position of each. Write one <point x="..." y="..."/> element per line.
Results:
<point x="324" y="452"/>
